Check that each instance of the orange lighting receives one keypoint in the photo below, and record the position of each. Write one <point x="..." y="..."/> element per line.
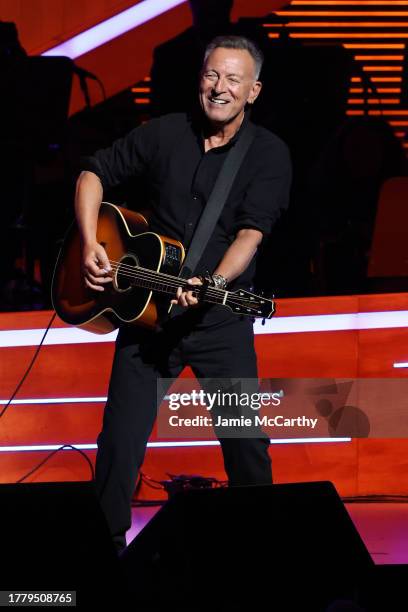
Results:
<point x="379" y="58"/>
<point x="373" y="101"/>
<point x="341" y="13"/>
<point x="141" y="89"/>
<point x="347" y="35"/>
<point x="340" y="24"/>
<point x="353" y="113"/>
<point x="382" y="68"/>
<point x="141" y="101"/>
<point x="389" y="112"/>
<point x="398" y="123"/>
<point x="356" y="79"/>
<point x="382" y="90"/>
<point x="147" y="79"/>
<point x="400" y="134"/>
<point x="373" y="46"/>
<point x="349" y="2"/>
<point x="386" y="79"/>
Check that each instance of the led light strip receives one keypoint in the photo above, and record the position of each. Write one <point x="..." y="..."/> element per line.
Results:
<point x="112" y="28"/>
<point x="276" y="325"/>
<point x="402" y="364"/>
<point x="54" y="400"/>
<point x="66" y="400"/>
<point x="184" y="443"/>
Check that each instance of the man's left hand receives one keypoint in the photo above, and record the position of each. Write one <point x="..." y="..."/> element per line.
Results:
<point x="187" y="298"/>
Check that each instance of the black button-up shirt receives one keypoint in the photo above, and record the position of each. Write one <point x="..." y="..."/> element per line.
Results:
<point x="169" y="153"/>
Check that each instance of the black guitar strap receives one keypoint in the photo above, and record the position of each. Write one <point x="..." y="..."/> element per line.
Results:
<point x="215" y="204"/>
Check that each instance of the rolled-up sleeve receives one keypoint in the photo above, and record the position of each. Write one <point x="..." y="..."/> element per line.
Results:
<point x="126" y="158"/>
<point x="268" y="193"/>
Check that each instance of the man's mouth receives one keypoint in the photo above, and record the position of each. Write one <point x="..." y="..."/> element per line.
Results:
<point x="218" y="101"/>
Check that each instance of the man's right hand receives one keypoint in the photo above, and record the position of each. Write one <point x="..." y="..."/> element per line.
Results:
<point x="96" y="267"/>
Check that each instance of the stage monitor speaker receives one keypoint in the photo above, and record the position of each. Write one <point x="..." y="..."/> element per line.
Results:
<point x="295" y="542"/>
<point x="54" y="537"/>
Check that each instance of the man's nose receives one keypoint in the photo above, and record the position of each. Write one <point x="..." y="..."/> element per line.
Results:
<point x="219" y="87"/>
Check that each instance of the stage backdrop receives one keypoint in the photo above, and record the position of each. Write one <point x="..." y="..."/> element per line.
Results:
<point x="350" y="336"/>
<point x="121" y="62"/>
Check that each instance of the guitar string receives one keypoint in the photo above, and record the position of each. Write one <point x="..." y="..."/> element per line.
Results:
<point x="172" y="281"/>
<point x="154" y="272"/>
<point x="241" y="303"/>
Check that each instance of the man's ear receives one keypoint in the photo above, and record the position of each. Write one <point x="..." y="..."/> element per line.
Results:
<point x="255" y="91"/>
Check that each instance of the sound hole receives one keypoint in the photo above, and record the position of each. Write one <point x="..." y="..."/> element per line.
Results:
<point x="123" y="277"/>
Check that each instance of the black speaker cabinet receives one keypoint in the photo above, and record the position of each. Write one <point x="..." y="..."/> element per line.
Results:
<point x="54" y="537"/>
<point x="292" y="543"/>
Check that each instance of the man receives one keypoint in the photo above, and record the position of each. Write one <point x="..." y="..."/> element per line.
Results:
<point x="182" y="156"/>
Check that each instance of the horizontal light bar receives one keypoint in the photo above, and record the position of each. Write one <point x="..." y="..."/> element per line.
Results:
<point x="373" y="101"/>
<point x="336" y="322"/>
<point x="373" y="46"/>
<point x="276" y="325"/>
<point x="112" y="28"/>
<point x="346" y="35"/>
<point x="382" y="90"/>
<point x="386" y="79"/>
<point x="382" y="68"/>
<point x="349" y="3"/>
<point x="379" y="58"/>
<point x="59" y="335"/>
<point x="341" y="14"/>
<point x="388" y="112"/>
<point x="175" y="444"/>
<point x="341" y="24"/>
<point x="54" y="400"/>
<point x="60" y="400"/>
<point x="402" y="364"/>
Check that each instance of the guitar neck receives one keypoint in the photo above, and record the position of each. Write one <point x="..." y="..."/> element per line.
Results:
<point x="166" y="283"/>
<point x="240" y="302"/>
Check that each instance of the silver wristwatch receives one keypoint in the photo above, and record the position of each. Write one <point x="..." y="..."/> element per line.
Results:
<point x="219" y="281"/>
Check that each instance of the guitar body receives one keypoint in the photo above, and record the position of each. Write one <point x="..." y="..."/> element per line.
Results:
<point x="125" y="237"/>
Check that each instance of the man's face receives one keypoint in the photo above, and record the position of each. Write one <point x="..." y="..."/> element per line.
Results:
<point x="227" y="83"/>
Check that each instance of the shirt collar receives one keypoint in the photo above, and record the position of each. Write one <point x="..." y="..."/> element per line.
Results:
<point x="197" y="125"/>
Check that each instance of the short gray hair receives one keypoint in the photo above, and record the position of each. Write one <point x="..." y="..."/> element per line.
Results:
<point x="237" y="42"/>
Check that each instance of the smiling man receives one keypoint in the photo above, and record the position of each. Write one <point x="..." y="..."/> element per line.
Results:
<point x="181" y="157"/>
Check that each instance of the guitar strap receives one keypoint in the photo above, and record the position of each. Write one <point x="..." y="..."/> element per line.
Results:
<point x="215" y="204"/>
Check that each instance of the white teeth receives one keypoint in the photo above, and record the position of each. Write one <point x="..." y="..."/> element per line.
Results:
<point x="218" y="101"/>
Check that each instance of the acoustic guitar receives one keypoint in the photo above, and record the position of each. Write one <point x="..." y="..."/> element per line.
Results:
<point x="145" y="266"/>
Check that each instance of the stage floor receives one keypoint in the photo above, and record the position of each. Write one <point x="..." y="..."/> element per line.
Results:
<point x="382" y="526"/>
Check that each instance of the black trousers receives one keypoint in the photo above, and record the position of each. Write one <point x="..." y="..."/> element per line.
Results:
<point x="215" y="344"/>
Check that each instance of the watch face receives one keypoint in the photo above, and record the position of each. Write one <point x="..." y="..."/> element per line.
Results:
<point x="219" y="281"/>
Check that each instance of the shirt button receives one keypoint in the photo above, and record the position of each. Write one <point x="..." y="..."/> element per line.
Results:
<point x="195" y="197"/>
<point x="189" y="224"/>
